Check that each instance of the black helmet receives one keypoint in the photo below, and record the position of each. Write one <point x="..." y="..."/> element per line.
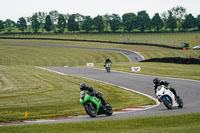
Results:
<point x="82" y="86"/>
<point x="156" y="81"/>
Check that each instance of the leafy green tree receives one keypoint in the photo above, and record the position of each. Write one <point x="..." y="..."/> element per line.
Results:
<point x="198" y="22"/>
<point x="106" y="19"/>
<point x="41" y="19"/>
<point x="21" y="24"/>
<point x="35" y="23"/>
<point x="143" y="21"/>
<point x="129" y="21"/>
<point x="61" y="23"/>
<point x="2" y="27"/>
<point x="164" y="16"/>
<point x="9" y="25"/>
<point x="87" y="24"/>
<point x="48" y="25"/>
<point x="157" y="22"/>
<point x="171" y="21"/>
<point x="72" y="23"/>
<point x="190" y="22"/>
<point x="28" y="20"/>
<point x="66" y="17"/>
<point x="179" y="12"/>
<point x="79" y="18"/>
<point x="99" y="23"/>
<point x="115" y="22"/>
<point x="54" y="18"/>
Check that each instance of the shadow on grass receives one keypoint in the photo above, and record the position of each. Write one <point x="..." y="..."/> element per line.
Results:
<point x="178" y="60"/>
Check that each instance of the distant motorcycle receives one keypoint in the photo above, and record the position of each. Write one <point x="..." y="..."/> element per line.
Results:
<point x="93" y="105"/>
<point x="108" y="67"/>
<point x="168" y="98"/>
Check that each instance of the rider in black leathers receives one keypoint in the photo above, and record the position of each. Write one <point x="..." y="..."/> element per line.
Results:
<point x="158" y="82"/>
<point x="107" y="61"/>
<point x="92" y="91"/>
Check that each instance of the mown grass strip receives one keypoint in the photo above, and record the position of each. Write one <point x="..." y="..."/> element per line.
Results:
<point x="184" y="123"/>
<point x="54" y="56"/>
<point x="147" y="51"/>
<point x="170" y="39"/>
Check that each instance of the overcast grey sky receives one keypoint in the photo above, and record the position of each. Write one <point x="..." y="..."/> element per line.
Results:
<point x="14" y="9"/>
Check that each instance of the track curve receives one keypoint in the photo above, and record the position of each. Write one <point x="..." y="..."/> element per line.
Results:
<point x="132" y="56"/>
<point x="189" y="90"/>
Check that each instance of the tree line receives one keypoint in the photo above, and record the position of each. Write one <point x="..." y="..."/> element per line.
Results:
<point x="176" y="18"/>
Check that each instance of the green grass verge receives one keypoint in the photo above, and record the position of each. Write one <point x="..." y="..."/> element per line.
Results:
<point x="172" y="39"/>
<point x="165" y="69"/>
<point x="46" y="94"/>
<point x="53" y="56"/>
<point x="147" y="51"/>
<point x="184" y="123"/>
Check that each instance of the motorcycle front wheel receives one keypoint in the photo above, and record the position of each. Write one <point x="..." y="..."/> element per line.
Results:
<point x="108" y="69"/>
<point x="167" y="102"/>
<point x="90" y="108"/>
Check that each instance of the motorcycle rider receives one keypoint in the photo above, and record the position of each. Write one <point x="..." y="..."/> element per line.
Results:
<point x="107" y="61"/>
<point x="91" y="90"/>
<point x="157" y="82"/>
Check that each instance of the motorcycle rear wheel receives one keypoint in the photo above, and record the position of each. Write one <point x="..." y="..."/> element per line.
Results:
<point x="180" y="103"/>
<point x="109" y="110"/>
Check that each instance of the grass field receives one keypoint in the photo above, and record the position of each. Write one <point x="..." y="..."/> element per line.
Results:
<point x="147" y="51"/>
<point x="48" y="56"/>
<point x="172" y="39"/>
<point x="185" y="123"/>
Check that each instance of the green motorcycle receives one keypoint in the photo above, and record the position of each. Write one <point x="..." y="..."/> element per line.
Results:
<point x="93" y="105"/>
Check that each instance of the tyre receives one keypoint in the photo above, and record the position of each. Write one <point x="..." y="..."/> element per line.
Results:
<point x="180" y="103"/>
<point x="107" y="69"/>
<point x="109" y="110"/>
<point x="167" y="102"/>
<point x="90" y="108"/>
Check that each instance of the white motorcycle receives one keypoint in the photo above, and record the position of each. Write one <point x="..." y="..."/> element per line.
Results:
<point x="168" y="98"/>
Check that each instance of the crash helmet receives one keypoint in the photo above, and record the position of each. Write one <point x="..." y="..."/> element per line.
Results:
<point x="156" y="80"/>
<point x="82" y="86"/>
